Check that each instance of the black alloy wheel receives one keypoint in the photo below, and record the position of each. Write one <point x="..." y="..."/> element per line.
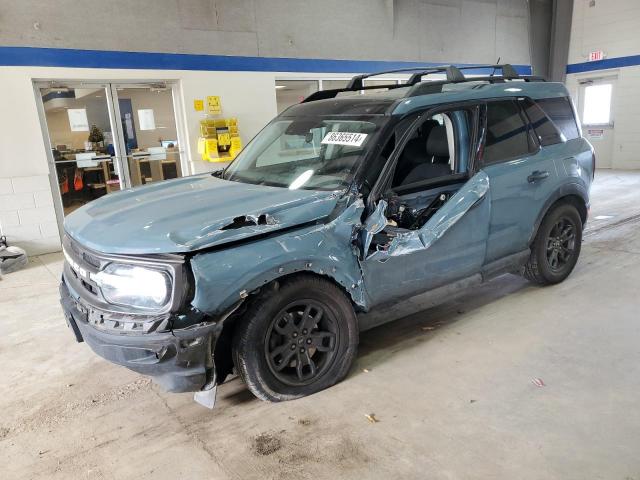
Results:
<point x="301" y="342"/>
<point x="561" y="244"/>
<point x="298" y="336"/>
<point x="556" y="247"/>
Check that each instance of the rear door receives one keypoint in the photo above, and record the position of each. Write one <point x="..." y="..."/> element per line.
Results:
<point x="522" y="176"/>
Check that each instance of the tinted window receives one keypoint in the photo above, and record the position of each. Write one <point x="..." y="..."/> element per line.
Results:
<point x="547" y="132"/>
<point x="559" y="110"/>
<point x="507" y="135"/>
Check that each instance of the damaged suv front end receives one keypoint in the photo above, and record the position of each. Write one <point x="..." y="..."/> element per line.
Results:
<point x="151" y="274"/>
<point x="133" y="311"/>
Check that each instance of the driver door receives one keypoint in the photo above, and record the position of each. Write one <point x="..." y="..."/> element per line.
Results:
<point x="440" y="234"/>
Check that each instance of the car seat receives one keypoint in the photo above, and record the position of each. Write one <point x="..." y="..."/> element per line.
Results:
<point x="414" y="152"/>
<point x="435" y="160"/>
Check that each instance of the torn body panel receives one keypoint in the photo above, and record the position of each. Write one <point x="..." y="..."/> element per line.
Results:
<point x="375" y="223"/>
<point x="326" y="249"/>
<point x="449" y="246"/>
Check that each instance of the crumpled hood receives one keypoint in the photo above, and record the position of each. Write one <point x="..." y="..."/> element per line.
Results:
<point x="191" y="213"/>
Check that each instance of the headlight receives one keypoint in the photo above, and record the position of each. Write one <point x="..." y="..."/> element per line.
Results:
<point x="134" y="286"/>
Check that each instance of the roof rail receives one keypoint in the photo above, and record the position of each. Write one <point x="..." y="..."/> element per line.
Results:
<point x="454" y="74"/>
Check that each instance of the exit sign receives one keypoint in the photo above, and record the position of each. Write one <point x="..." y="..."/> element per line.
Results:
<point x="595" y="56"/>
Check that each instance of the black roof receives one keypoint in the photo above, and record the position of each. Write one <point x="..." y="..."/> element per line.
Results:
<point x="347" y="105"/>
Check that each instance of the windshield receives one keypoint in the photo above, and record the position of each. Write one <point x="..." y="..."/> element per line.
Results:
<point x="310" y="152"/>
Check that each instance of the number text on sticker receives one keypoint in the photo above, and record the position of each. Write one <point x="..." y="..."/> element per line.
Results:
<point x="344" y="138"/>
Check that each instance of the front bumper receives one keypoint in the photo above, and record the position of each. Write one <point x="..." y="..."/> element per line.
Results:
<point x="179" y="360"/>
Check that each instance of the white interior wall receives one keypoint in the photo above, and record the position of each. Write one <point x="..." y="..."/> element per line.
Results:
<point x="162" y="105"/>
<point x="58" y="120"/>
<point x="611" y="26"/>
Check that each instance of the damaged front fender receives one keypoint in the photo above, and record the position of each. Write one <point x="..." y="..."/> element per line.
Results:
<point x="223" y="276"/>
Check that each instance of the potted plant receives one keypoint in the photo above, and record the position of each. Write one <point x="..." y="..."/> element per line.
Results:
<point x="96" y="137"/>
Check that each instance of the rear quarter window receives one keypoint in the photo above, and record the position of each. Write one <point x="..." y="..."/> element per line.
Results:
<point x="545" y="129"/>
<point x="559" y="110"/>
<point x="507" y="133"/>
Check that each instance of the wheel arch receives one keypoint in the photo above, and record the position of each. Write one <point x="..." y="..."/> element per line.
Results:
<point x="573" y="194"/>
<point x="223" y="355"/>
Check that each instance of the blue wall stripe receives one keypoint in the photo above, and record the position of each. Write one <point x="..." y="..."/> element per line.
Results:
<point x="62" y="57"/>
<point x="617" y="62"/>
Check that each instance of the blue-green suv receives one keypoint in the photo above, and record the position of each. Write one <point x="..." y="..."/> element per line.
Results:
<point x="345" y="202"/>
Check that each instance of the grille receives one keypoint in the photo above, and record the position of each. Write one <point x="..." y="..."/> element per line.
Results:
<point x="91" y="260"/>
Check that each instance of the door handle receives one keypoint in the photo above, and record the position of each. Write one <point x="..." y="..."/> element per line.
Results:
<point x="537" y="175"/>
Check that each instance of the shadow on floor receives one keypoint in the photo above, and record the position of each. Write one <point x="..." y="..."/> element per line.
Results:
<point x="410" y="322"/>
<point x="417" y="324"/>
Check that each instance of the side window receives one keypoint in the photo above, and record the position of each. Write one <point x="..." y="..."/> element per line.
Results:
<point x="507" y="134"/>
<point x="437" y="148"/>
<point x="559" y="110"/>
<point x="546" y="131"/>
<point x="373" y="170"/>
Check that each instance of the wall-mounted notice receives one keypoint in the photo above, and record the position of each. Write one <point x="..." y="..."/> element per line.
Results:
<point x="213" y="105"/>
<point x="595" y="133"/>
<point x="78" y="120"/>
<point x="146" y="120"/>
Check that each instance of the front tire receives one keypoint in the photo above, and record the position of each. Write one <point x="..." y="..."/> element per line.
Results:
<point x="556" y="248"/>
<point x="296" y="340"/>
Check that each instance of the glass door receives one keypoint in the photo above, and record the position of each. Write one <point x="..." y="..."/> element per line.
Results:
<point x="82" y="141"/>
<point x="104" y="137"/>
<point x="149" y="132"/>
<point x="595" y="107"/>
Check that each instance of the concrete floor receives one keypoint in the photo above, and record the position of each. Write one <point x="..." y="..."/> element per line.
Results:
<point x="450" y="386"/>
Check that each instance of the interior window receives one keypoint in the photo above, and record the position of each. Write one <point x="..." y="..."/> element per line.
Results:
<point x="507" y="133"/>
<point x="438" y="148"/>
<point x="597" y="104"/>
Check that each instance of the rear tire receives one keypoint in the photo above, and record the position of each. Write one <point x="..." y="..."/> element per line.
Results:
<point x="556" y="248"/>
<point x="296" y="340"/>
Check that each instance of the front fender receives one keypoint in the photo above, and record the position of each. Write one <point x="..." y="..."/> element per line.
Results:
<point x="224" y="276"/>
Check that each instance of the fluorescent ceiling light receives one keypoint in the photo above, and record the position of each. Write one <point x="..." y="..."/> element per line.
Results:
<point x="278" y="87"/>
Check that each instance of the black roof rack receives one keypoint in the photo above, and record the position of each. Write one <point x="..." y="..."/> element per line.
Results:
<point x="453" y="75"/>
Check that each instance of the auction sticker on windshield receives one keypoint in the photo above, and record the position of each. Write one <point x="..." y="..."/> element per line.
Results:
<point x="344" y="138"/>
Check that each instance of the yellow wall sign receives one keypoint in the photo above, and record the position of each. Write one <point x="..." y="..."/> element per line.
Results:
<point x="213" y="105"/>
<point x="198" y="105"/>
